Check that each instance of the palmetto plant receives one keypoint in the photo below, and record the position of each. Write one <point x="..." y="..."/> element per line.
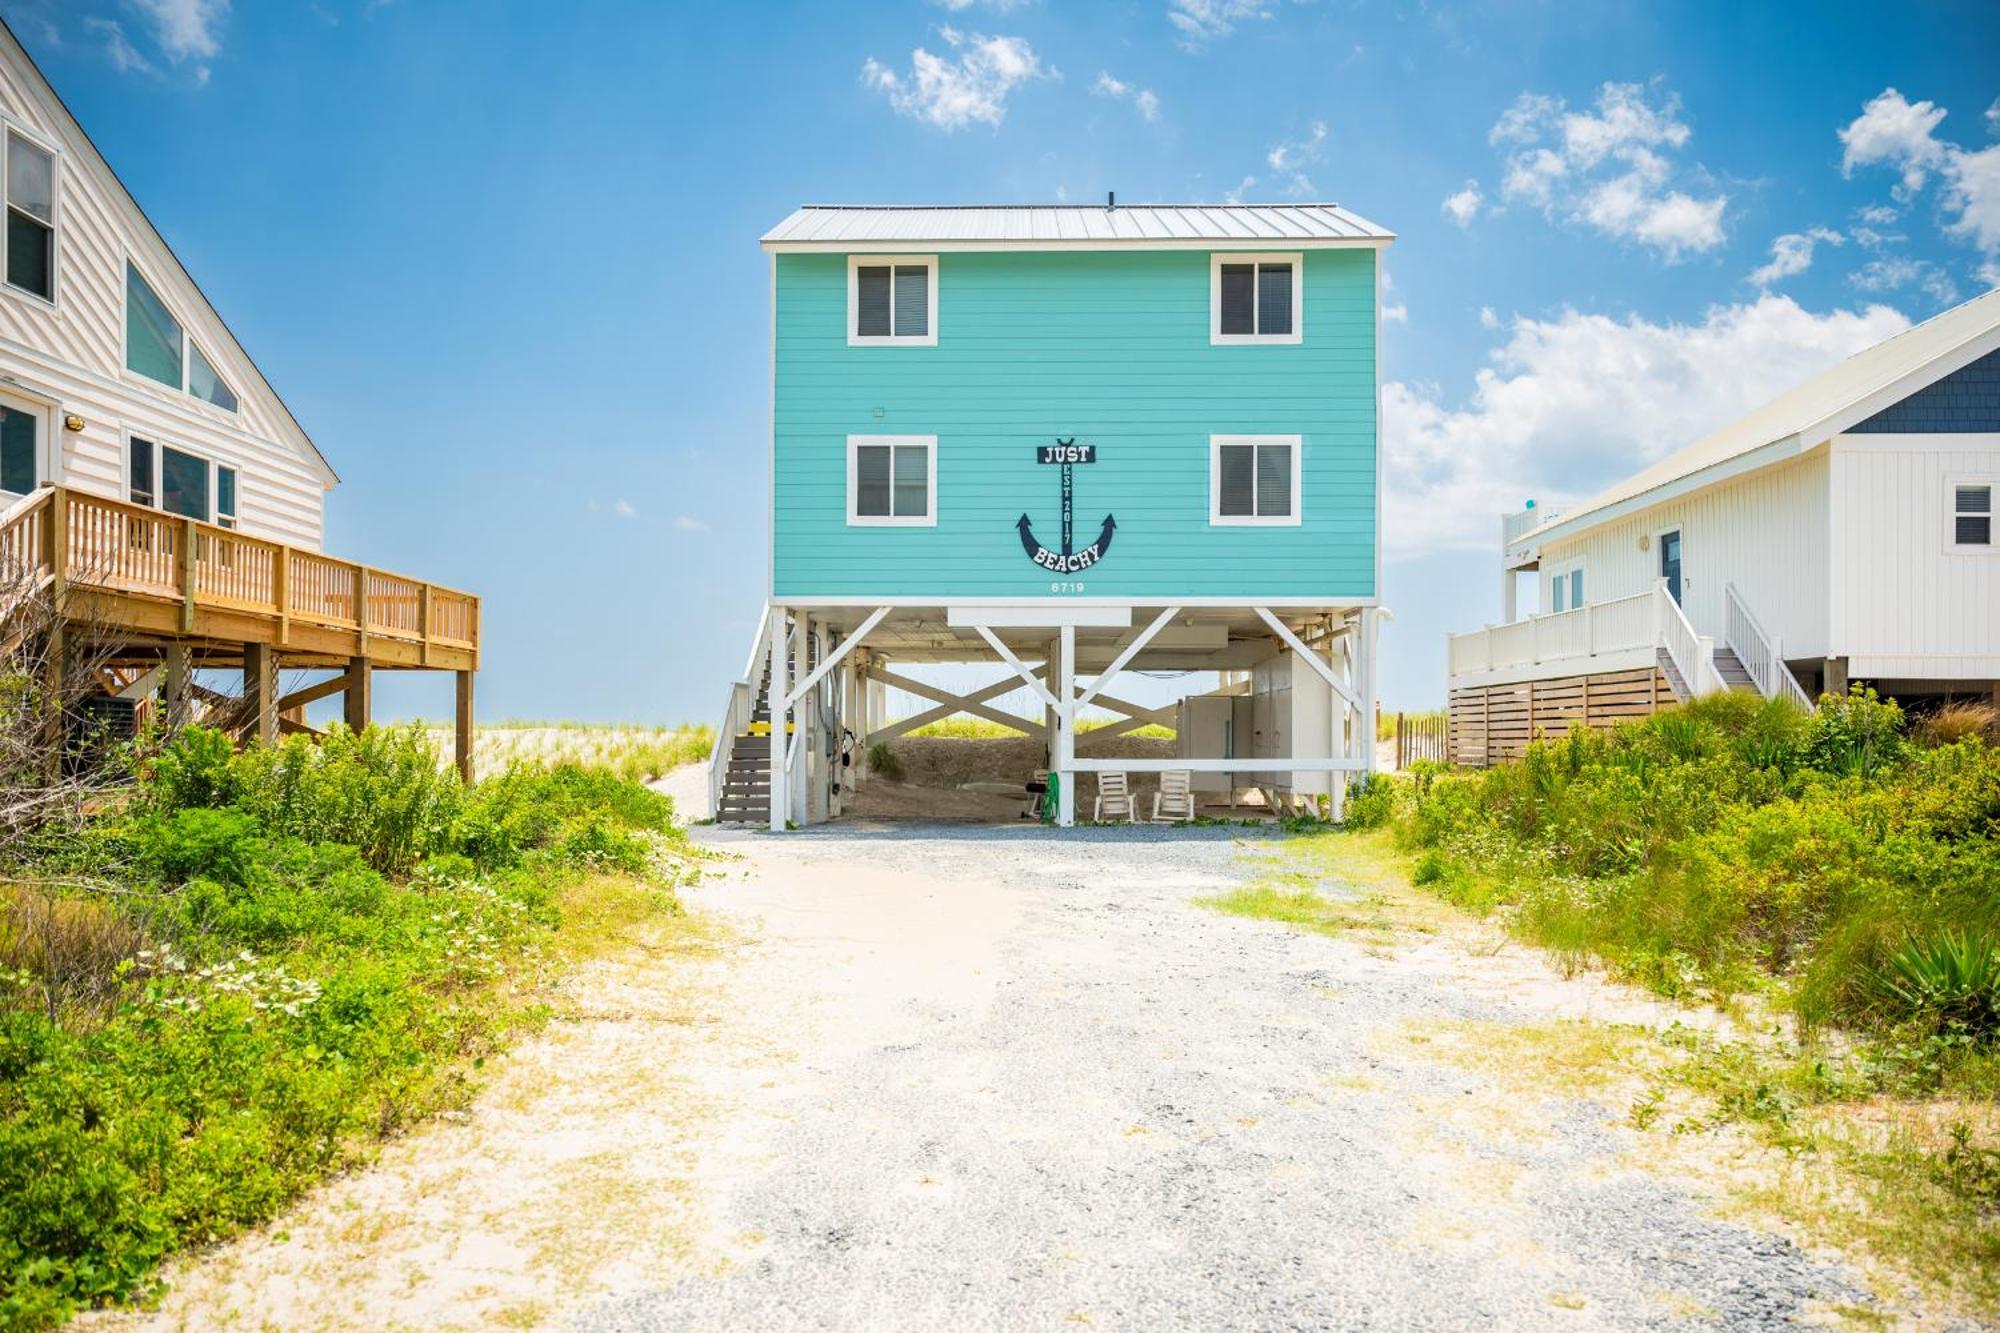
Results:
<point x="1953" y="977"/>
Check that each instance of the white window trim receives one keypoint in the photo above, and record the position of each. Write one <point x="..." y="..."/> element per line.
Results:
<point x="855" y="263"/>
<point x="858" y="520"/>
<point x="1217" y="519"/>
<point x="45" y="443"/>
<point x="159" y="446"/>
<point x="1217" y="337"/>
<point x="53" y="301"/>
<point x="1952" y="545"/>
<point x="1559" y="573"/>
<point x="188" y="342"/>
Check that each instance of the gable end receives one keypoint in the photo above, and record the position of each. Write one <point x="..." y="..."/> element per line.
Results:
<point x="1965" y="402"/>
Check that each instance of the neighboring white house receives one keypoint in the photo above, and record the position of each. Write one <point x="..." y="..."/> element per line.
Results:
<point x="116" y="374"/>
<point x="1844" y="531"/>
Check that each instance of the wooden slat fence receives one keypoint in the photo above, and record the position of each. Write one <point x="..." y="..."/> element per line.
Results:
<point x="1492" y="723"/>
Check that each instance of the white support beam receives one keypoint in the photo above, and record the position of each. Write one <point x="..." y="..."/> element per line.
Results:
<point x="1063" y="699"/>
<point x="144" y="686"/>
<point x="1318" y="663"/>
<point x="1164" y="716"/>
<point x="1127" y="653"/>
<point x="837" y="656"/>
<point x="781" y="788"/>
<point x="1021" y="670"/>
<point x="950" y="704"/>
<point x="1337" y="764"/>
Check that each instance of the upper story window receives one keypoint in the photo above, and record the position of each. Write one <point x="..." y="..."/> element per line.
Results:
<point x="31" y="217"/>
<point x="1253" y="479"/>
<point x="178" y="482"/>
<point x="892" y="300"/>
<point x="1972" y="514"/>
<point x="1566" y="589"/>
<point x="1256" y="298"/>
<point x="157" y="347"/>
<point x="892" y="481"/>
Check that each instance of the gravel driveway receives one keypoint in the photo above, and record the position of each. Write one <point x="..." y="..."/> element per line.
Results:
<point x="1026" y="1082"/>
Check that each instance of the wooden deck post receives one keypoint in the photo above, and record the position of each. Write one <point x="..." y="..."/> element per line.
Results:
<point x="188" y="539"/>
<point x="463" y="730"/>
<point x="178" y="679"/>
<point x="260" y="692"/>
<point x="357" y="699"/>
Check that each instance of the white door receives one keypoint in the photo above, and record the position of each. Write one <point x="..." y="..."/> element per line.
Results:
<point x="24" y="447"/>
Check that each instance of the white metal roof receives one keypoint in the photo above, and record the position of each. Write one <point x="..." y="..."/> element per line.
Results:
<point x="1806" y="417"/>
<point x="1036" y="226"/>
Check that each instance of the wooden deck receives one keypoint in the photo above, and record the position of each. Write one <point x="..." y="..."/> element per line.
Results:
<point x="152" y="589"/>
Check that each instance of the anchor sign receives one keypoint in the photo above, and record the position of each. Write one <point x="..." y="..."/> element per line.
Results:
<point x="1066" y="454"/>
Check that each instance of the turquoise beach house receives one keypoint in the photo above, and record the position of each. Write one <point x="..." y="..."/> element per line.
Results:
<point x="1070" y="442"/>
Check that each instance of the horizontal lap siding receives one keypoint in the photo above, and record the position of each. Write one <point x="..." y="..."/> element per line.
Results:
<point x="73" y="354"/>
<point x="1110" y="348"/>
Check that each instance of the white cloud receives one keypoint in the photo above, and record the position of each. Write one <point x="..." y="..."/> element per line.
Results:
<point x="1288" y="162"/>
<point x="186" y="29"/>
<point x="1395" y="314"/>
<point x="1200" y="22"/>
<point x="1879" y="214"/>
<point x="1571" y="404"/>
<point x="1607" y="167"/>
<point x="1243" y="187"/>
<point x="689" y="523"/>
<point x="1891" y="130"/>
<point x="998" y="6"/>
<point x="118" y="48"/>
<point x="1792" y="254"/>
<point x="1894" y="132"/>
<point x="624" y="508"/>
<point x="1463" y="206"/>
<point x="952" y="93"/>
<point x="1893" y="272"/>
<point x="1487" y="319"/>
<point x="1118" y="90"/>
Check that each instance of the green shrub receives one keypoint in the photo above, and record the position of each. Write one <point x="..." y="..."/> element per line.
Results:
<point x="885" y="762"/>
<point x="1370" y="804"/>
<point x="1951" y="979"/>
<point x="299" y="958"/>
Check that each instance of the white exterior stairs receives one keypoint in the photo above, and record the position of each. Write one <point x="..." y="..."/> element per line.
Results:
<point x="746" y="784"/>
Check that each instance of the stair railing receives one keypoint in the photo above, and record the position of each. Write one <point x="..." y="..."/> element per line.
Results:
<point x="1692" y="654"/>
<point x="736" y="717"/>
<point x="1761" y="655"/>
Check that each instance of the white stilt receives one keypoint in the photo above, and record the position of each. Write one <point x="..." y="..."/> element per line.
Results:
<point x="781" y="786"/>
<point x="1065" y="692"/>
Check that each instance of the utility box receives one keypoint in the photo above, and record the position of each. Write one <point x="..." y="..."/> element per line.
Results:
<point x="1207" y="730"/>
<point x="1291" y="717"/>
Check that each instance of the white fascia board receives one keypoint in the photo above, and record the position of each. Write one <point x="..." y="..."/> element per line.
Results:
<point x="1866" y="406"/>
<point x="1039" y="617"/>
<point x="1563" y="529"/>
<point x="904" y="246"/>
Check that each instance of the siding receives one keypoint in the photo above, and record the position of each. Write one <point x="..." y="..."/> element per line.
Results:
<point x="1967" y="400"/>
<point x="1111" y="348"/>
<point x="1766" y="532"/>
<point x="72" y="355"/>
<point x="1905" y="606"/>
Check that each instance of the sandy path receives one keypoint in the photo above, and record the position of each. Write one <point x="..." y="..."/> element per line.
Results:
<point x="996" y="1078"/>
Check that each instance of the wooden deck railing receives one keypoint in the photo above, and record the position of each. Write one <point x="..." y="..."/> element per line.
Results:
<point x="71" y="538"/>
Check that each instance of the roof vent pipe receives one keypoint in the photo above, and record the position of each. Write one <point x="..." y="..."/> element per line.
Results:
<point x="1111" y="198"/>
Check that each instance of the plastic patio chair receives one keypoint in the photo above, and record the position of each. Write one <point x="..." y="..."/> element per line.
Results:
<point x="1115" y="791"/>
<point x="1175" y="796"/>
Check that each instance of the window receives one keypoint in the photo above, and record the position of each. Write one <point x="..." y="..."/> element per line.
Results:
<point x="1566" y="588"/>
<point x="1255" y="298"/>
<point x="892" y="300"/>
<point x="225" y="496"/>
<point x="142" y="472"/>
<point x="20" y="450"/>
<point x="157" y="347"/>
<point x="891" y="481"/>
<point x="31" y="217"/>
<point x="1253" y="479"/>
<point x="175" y="481"/>
<point x="183" y="484"/>
<point x="1972" y="514"/>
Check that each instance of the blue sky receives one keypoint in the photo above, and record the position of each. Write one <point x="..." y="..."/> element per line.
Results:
<point x="501" y="257"/>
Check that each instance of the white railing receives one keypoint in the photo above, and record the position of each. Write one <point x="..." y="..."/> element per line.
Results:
<point x="1513" y="525"/>
<point x="736" y="718"/>
<point x="1693" y="654"/>
<point x="1569" y="637"/>
<point x="1581" y="641"/>
<point x="1761" y="655"/>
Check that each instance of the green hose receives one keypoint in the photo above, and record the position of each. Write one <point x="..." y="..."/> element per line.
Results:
<point x="1051" y="798"/>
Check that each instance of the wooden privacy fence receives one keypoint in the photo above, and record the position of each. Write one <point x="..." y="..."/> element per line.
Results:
<point x="1491" y="723"/>
<point x="1422" y="736"/>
